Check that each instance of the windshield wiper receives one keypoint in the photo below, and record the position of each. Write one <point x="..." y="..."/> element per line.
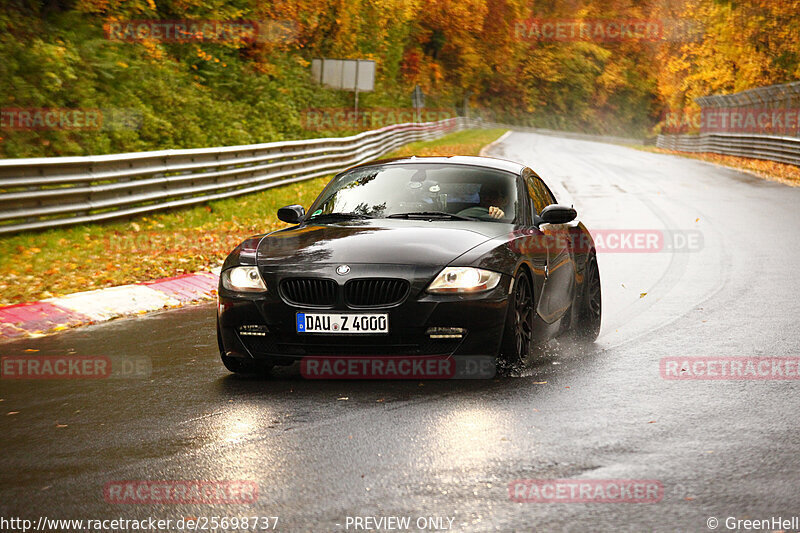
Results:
<point x="430" y="214"/>
<point x="340" y="216"/>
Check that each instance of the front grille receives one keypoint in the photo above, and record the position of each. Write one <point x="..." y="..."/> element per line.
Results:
<point x="375" y="292"/>
<point x="309" y="291"/>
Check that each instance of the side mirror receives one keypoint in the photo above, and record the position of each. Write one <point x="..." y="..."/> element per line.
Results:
<point x="558" y="214"/>
<point x="292" y="214"/>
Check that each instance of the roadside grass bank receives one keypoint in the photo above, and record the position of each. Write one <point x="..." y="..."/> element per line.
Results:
<point x="57" y="262"/>
<point x="768" y="170"/>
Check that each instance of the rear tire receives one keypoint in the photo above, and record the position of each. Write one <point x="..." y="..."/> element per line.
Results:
<point x="590" y="312"/>
<point x="518" y="337"/>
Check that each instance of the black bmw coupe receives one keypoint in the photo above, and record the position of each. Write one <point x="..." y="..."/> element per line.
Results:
<point x="421" y="256"/>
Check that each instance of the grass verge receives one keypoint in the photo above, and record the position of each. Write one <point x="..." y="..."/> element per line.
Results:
<point x="34" y="266"/>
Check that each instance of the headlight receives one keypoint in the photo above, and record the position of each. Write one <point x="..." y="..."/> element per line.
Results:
<point x="243" y="279"/>
<point x="464" y="279"/>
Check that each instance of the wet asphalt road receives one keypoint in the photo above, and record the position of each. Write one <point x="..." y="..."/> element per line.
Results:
<point x="450" y="449"/>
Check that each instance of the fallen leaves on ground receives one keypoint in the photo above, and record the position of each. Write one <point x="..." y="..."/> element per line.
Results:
<point x="770" y="170"/>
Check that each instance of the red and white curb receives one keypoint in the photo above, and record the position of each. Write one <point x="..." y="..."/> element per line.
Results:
<point x="56" y="314"/>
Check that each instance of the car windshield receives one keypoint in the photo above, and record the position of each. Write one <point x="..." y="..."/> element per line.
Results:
<point x="441" y="191"/>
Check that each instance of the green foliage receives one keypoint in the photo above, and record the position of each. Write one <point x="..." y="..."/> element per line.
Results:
<point x="186" y="95"/>
<point x="55" y="54"/>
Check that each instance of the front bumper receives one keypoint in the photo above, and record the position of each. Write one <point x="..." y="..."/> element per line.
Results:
<point x="263" y="326"/>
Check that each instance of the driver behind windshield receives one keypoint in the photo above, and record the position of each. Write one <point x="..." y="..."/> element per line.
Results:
<point x="494" y="200"/>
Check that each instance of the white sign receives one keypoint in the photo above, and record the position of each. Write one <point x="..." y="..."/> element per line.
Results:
<point x="346" y="74"/>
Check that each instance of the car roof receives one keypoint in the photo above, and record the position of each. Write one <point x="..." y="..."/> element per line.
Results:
<point x="488" y="162"/>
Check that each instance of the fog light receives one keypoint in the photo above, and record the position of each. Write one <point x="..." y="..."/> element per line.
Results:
<point x="253" y="330"/>
<point x="446" y="333"/>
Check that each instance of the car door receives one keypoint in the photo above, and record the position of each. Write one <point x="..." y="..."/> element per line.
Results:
<point x="559" y="271"/>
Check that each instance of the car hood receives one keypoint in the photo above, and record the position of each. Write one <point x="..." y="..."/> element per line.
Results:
<point x="383" y="241"/>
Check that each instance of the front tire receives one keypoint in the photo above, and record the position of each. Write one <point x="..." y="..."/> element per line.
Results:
<point x="590" y="313"/>
<point x="239" y="365"/>
<point x="518" y="337"/>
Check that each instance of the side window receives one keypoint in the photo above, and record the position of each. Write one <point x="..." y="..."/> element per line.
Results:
<point x="547" y="193"/>
<point x="538" y="192"/>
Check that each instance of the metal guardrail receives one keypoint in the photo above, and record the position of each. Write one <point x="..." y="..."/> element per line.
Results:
<point x="767" y="147"/>
<point x="59" y="191"/>
<point x="52" y="192"/>
<point x="753" y="104"/>
<point x="784" y="93"/>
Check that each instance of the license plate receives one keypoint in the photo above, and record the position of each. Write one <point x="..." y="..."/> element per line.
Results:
<point x="342" y="323"/>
